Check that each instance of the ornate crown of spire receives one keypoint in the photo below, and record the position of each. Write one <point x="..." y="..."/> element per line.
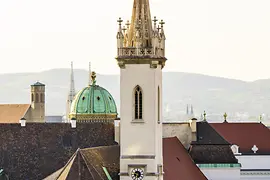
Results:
<point x="140" y="38"/>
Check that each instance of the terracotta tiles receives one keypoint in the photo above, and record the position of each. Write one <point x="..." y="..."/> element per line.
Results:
<point x="245" y="135"/>
<point x="178" y="165"/>
<point x="12" y="113"/>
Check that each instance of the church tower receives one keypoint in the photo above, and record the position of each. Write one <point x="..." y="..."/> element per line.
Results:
<point x="71" y="93"/>
<point x="141" y="58"/>
<point x="37" y="113"/>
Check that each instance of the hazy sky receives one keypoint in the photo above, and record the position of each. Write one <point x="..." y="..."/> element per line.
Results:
<point x="228" y="38"/>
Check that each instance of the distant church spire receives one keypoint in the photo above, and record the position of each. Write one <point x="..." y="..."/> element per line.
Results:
<point x="71" y="93"/>
<point x="191" y="110"/>
<point x="72" y="84"/>
<point x="187" y="110"/>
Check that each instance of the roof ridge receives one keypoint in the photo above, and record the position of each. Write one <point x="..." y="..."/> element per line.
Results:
<point x="90" y="164"/>
<point x="99" y="147"/>
<point x="70" y="159"/>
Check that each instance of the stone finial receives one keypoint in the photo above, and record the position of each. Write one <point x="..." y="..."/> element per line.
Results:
<point x="261" y="118"/>
<point x="120" y="22"/>
<point x="204" y="116"/>
<point x="158" y="28"/>
<point x="225" y="117"/>
<point x="124" y="29"/>
<point x="161" y="23"/>
<point x="155" y="21"/>
<point x="93" y="77"/>
<point x="127" y="24"/>
<point x="255" y="149"/>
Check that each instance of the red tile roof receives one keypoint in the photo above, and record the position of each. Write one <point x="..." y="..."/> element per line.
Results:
<point x="245" y="135"/>
<point x="178" y="165"/>
<point x="12" y="113"/>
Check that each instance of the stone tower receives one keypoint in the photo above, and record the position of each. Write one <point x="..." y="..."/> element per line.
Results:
<point x="37" y="113"/>
<point x="141" y="58"/>
<point x="71" y="93"/>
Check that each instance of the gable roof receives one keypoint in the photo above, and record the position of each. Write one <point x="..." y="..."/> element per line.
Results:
<point x="12" y="113"/>
<point x="245" y="135"/>
<point x="39" y="149"/>
<point x="178" y="165"/>
<point x="89" y="163"/>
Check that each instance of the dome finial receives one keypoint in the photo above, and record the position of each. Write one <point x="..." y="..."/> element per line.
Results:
<point x="93" y="77"/>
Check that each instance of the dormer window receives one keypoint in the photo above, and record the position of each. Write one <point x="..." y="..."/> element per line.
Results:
<point x="235" y="149"/>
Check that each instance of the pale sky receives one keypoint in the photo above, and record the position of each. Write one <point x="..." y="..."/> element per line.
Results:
<point x="227" y="38"/>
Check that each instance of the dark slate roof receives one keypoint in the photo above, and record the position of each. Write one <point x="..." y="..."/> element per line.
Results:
<point x="206" y="134"/>
<point x="212" y="154"/>
<point x="38" y="84"/>
<point x="178" y="165"/>
<point x="245" y="135"/>
<point x="88" y="164"/>
<point x="39" y="149"/>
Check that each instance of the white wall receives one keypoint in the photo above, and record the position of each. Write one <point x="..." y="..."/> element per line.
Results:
<point x="180" y="130"/>
<point x="254" y="162"/>
<point x="221" y="173"/>
<point x="145" y="137"/>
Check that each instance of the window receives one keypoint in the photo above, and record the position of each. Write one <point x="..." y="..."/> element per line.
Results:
<point x="41" y="97"/>
<point x="32" y="97"/>
<point x="158" y="106"/>
<point x="37" y="98"/>
<point x="138" y="106"/>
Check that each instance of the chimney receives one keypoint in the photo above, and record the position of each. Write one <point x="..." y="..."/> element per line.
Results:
<point x="73" y="122"/>
<point x="23" y="122"/>
<point x="193" y="126"/>
<point x="117" y="130"/>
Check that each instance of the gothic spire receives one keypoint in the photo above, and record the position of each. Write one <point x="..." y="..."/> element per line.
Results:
<point x="187" y="110"/>
<point x="71" y="93"/>
<point x="191" y="110"/>
<point x="140" y="31"/>
<point x="72" y="85"/>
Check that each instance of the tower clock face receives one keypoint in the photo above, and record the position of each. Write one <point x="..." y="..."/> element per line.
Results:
<point x="137" y="174"/>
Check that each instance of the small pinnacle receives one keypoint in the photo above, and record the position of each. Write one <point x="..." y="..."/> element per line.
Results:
<point x="127" y="24"/>
<point x="225" y="117"/>
<point x="155" y="19"/>
<point x="161" y="23"/>
<point x="120" y="21"/>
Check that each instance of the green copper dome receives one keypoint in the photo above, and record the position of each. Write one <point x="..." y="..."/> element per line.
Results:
<point x="93" y="103"/>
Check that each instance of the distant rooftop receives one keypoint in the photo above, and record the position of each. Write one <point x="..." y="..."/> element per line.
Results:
<point x="38" y="84"/>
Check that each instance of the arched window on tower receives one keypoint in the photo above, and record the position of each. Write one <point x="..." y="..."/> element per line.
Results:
<point x="41" y="97"/>
<point x="37" y="98"/>
<point x="158" y="105"/>
<point x="32" y="97"/>
<point x="138" y="102"/>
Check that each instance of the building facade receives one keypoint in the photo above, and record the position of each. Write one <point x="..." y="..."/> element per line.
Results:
<point x="141" y="57"/>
